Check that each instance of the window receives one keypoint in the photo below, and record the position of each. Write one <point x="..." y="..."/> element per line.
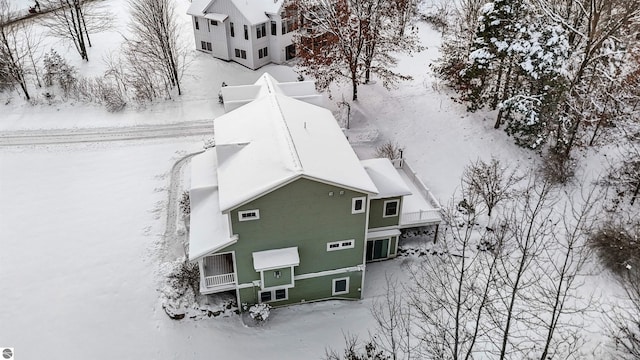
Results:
<point x="277" y="274"/>
<point x="340" y="286"/>
<point x="205" y="45"/>
<point x="237" y="52"/>
<point x="243" y="54"/>
<point x="273" y="295"/>
<point x="340" y="245"/>
<point x="391" y="208"/>
<point x="232" y="30"/>
<point x="197" y="25"/>
<point x="214" y="23"/>
<point x="248" y="214"/>
<point x="246" y="33"/>
<point x="274" y="28"/>
<point x="263" y="53"/>
<point x="261" y="30"/>
<point x="358" y="205"/>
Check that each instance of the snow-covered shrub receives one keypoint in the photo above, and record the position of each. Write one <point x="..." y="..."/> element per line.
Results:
<point x="58" y="71"/>
<point x="260" y="312"/>
<point x="185" y="204"/>
<point x="180" y="289"/>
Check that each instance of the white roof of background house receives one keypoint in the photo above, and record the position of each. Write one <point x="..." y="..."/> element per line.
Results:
<point x="276" y="139"/>
<point x="198" y="7"/>
<point x="386" y="178"/>
<point x="209" y="229"/>
<point x="255" y="11"/>
<point x="236" y="96"/>
<point x="275" y="259"/>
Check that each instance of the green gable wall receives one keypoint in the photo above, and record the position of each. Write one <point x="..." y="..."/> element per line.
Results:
<point x="376" y="212"/>
<point x="300" y="214"/>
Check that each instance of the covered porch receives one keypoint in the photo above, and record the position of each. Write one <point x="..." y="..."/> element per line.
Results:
<point x="217" y="273"/>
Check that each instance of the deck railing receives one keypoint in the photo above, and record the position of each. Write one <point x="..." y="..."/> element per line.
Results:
<point x="218" y="280"/>
<point x="413" y="176"/>
<point x="422" y="216"/>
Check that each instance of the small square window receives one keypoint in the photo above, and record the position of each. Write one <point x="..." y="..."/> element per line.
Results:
<point x="232" y="30"/>
<point x="265" y="296"/>
<point x="197" y="25"/>
<point x="358" y="205"/>
<point x="237" y="52"/>
<point x="281" y="294"/>
<point x="214" y="23"/>
<point x="243" y="54"/>
<point x="340" y="286"/>
<point x="391" y="208"/>
<point x="203" y="45"/>
<point x="277" y="274"/>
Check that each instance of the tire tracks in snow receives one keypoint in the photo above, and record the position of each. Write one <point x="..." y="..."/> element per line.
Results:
<point x="105" y="134"/>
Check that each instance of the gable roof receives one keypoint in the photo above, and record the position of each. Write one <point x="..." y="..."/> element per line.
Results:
<point x="276" y="139"/>
<point x="236" y="96"/>
<point x="199" y="7"/>
<point x="255" y="11"/>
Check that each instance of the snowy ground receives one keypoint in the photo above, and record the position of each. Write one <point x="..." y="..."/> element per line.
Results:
<point x="81" y="224"/>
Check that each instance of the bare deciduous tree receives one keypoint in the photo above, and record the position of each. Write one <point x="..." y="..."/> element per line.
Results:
<point x="491" y="181"/>
<point x="154" y="53"/>
<point x="74" y="20"/>
<point x="346" y="40"/>
<point x="17" y="44"/>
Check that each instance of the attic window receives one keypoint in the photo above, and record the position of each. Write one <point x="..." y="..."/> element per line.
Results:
<point x="249" y="215"/>
<point x="358" y="205"/>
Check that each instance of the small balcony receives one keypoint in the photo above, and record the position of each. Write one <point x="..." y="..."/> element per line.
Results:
<point x="217" y="273"/>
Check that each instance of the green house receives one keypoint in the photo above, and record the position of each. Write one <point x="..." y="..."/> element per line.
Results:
<point x="282" y="209"/>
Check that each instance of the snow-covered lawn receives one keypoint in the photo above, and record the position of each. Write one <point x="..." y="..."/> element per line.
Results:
<point x="81" y="225"/>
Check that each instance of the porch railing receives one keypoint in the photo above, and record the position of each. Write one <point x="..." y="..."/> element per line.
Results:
<point x="218" y="280"/>
<point x="413" y="176"/>
<point x="432" y="215"/>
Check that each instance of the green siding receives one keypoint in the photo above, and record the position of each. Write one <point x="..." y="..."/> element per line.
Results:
<point x="270" y="280"/>
<point x="300" y="214"/>
<point x="376" y="212"/>
<point x="310" y="289"/>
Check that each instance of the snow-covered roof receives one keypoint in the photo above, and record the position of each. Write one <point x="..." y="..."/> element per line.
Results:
<point x="236" y="96"/>
<point x="276" y="139"/>
<point x="198" y="7"/>
<point x="209" y="231"/>
<point x="255" y="11"/>
<point x="386" y="178"/>
<point x="275" y="259"/>
<point x="381" y="234"/>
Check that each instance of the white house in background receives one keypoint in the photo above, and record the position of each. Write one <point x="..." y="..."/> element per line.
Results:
<point x="250" y="32"/>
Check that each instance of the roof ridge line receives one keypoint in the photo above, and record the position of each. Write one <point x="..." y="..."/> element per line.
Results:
<point x="288" y="137"/>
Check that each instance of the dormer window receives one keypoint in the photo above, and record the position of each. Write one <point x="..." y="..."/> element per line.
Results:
<point x="249" y="215"/>
<point x="358" y="205"/>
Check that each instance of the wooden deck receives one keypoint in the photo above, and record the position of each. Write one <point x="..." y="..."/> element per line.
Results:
<point x="420" y="208"/>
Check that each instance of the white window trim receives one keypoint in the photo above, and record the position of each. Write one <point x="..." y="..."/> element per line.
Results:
<point x="273" y="294"/>
<point x="384" y="208"/>
<point x="353" y="205"/>
<point x="333" y="286"/>
<point x="341" y="245"/>
<point x="240" y="213"/>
